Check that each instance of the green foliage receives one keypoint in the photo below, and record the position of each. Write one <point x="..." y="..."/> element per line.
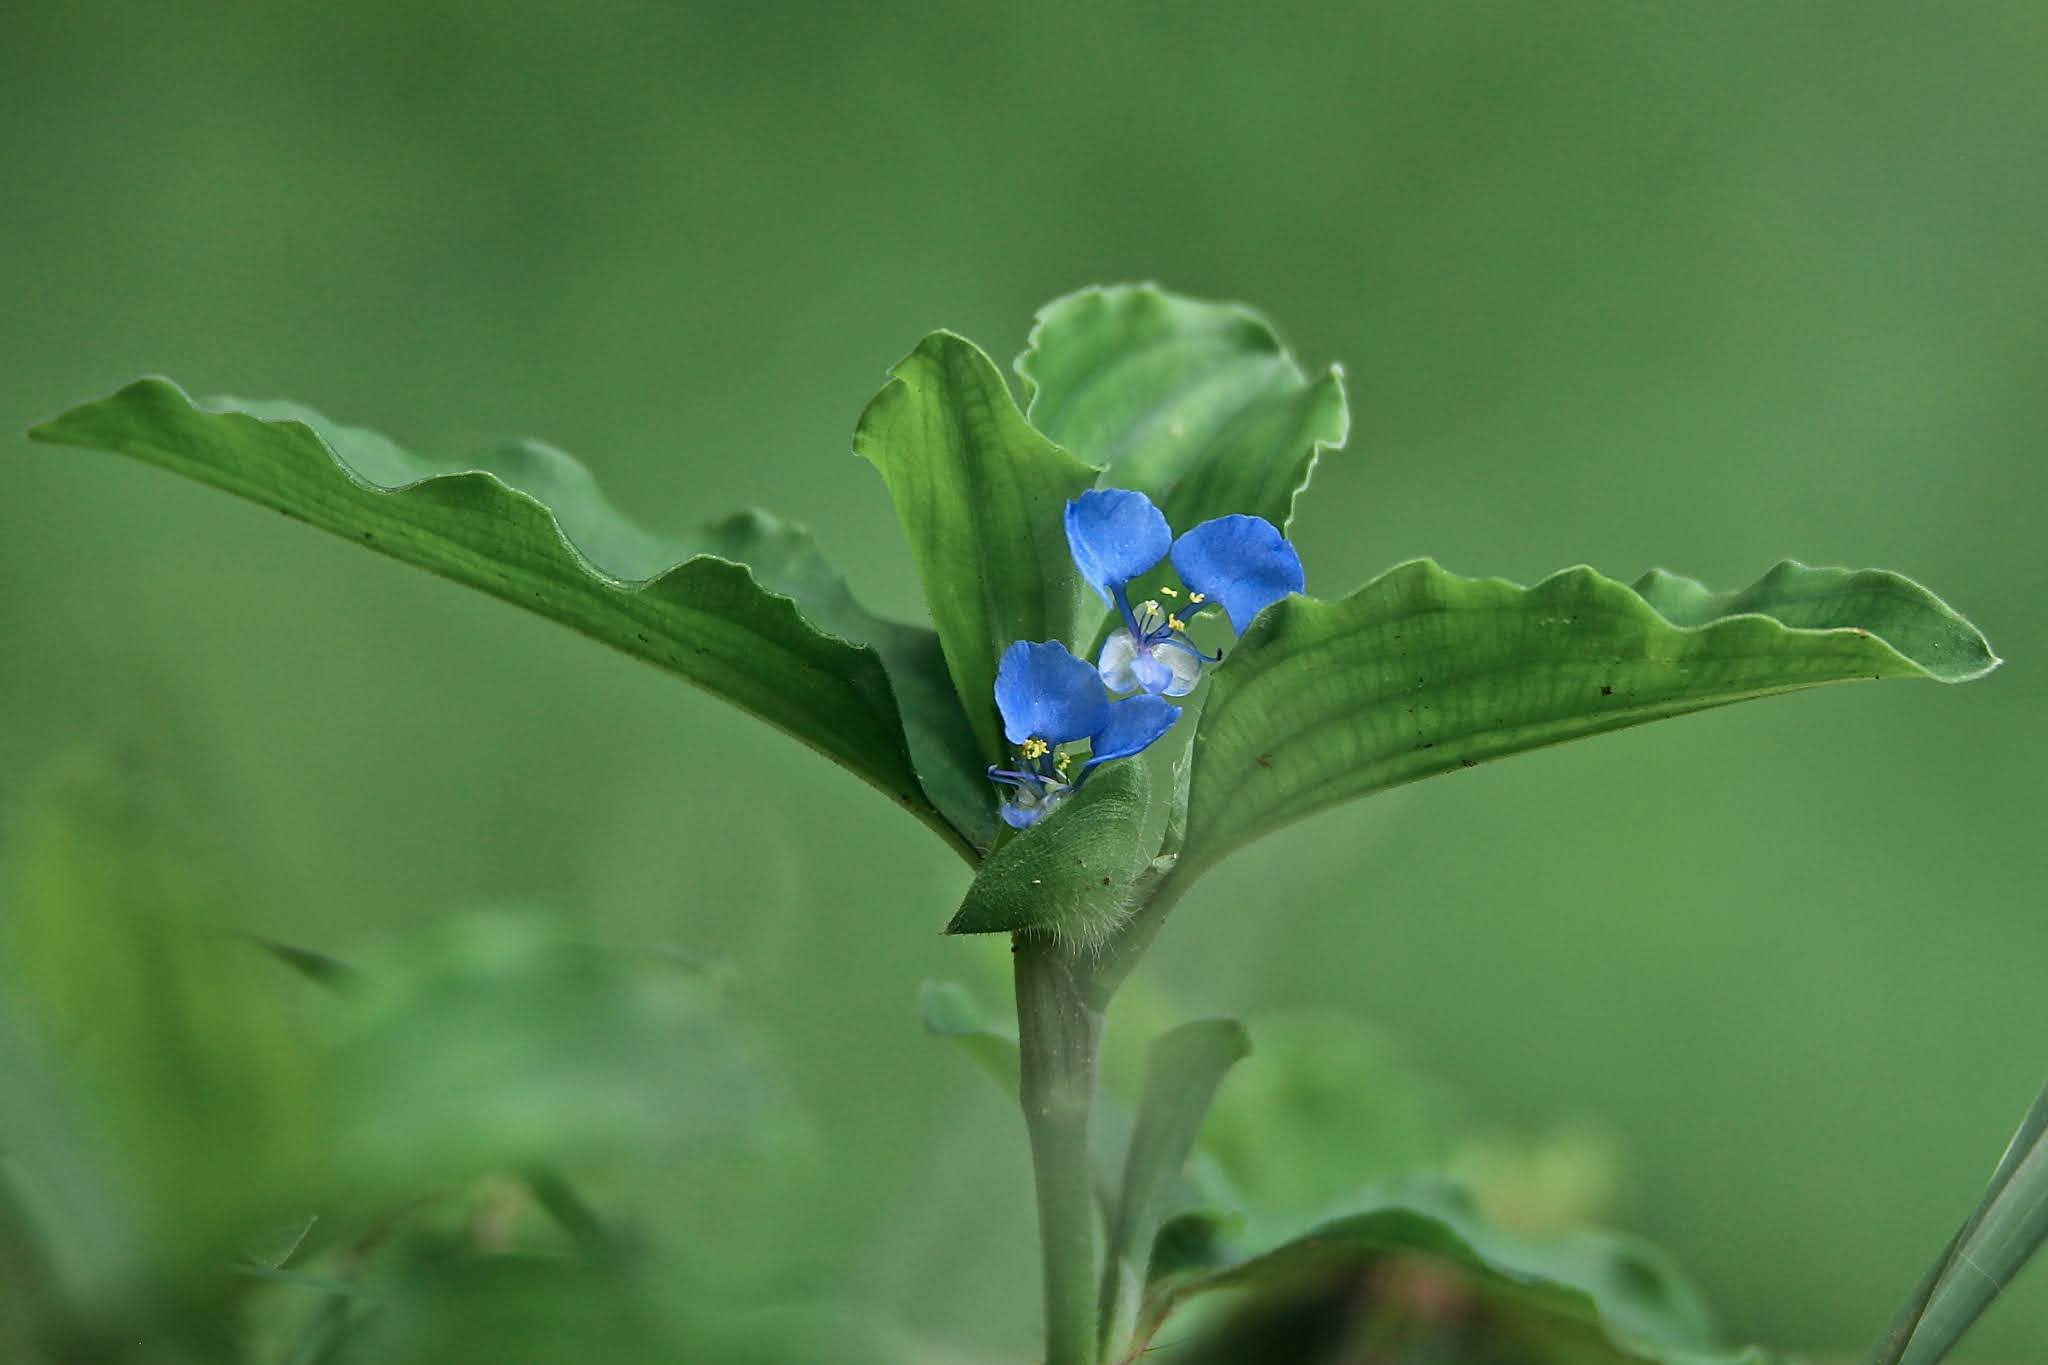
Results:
<point x="1422" y="672"/>
<point x="1197" y="405"/>
<point x="949" y="1010"/>
<point x="483" y="1063"/>
<point x="321" y="968"/>
<point x="1325" y="1118"/>
<point x="1417" y="673"/>
<point x="1075" y="874"/>
<point x="1183" y="1069"/>
<point x="980" y="496"/>
<point x="489" y="1043"/>
<point x="785" y="641"/>
<point x="1330" y="1106"/>
<point x="2001" y="1235"/>
<point x="211" y="1155"/>
<point x="167" y="1089"/>
<point x="1417" y="1271"/>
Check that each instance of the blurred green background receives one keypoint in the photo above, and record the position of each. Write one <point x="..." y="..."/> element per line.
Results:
<point x="1691" y="285"/>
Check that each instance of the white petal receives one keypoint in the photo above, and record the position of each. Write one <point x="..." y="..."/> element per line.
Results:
<point x="1118" y="652"/>
<point x="1187" y="669"/>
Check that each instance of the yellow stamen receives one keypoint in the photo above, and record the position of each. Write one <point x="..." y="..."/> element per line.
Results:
<point x="1198" y="597"/>
<point x="1165" y="591"/>
<point x="1148" y="605"/>
<point x="1061" y="763"/>
<point x="1175" y="623"/>
<point x="1035" y="748"/>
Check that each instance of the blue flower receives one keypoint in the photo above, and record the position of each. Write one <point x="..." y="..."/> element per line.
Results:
<point x="1049" y="698"/>
<point x="1242" y="563"/>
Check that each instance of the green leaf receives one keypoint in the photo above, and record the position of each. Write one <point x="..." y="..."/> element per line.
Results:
<point x="982" y="499"/>
<point x="1183" y="1067"/>
<point x="1423" y="672"/>
<point x="2002" y="1233"/>
<point x="778" y="635"/>
<point x="1073" y="874"/>
<point x="943" y="750"/>
<point x="1197" y="404"/>
<point x="1419" y="1273"/>
<point x="949" y="1010"/>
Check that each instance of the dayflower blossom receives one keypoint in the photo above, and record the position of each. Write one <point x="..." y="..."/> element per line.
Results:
<point x="1049" y="698"/>
<point x="1242" y="562"/>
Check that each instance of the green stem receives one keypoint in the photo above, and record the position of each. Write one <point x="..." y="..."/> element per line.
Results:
<point x="1059" y="1034"/>
<point x="1116" y="958"/>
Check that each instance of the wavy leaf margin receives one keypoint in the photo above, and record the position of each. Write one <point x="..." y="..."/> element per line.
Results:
<point x="707" y="618"/>
<point x="1422" y="672"/>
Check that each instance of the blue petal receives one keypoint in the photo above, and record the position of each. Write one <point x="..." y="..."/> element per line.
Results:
<point x="1243" y="562"/>
<point x="1044" y="692"/>
<point x="1115" y="535"/>
<point x="1153" y="673"/>
<point x="1132" y="724"/>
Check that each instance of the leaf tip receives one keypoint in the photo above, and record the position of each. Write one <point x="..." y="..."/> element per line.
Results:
<point x="965" y="923"/>
<point x="143" y="388"/>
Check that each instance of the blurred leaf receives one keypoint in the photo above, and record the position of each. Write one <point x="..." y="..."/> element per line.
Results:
<point x="158" y="1033"/>
<point x="1562" y="1179"/>
<point x="319" y="1284"/>
<point x="448" y="1306"/>
<point x="1189" y="1244"/>
<point x="160" y="1118"/>
<point x="278" y="1244"/>
<point x="785" y="642"/>
<point x="949" y="1010"/>
<point x="1183" y="1068"/>
<point x="327" y="1331"/>
<point x="69" y="1232"/>
<point x="802" y="1334"/>
<point x="317" y="967"/>
<point x="1327" y="1107"/>
<point x="1196" y="404"/>
<point x="1640" y="1293"/>
<point x="493" y="1044"/>
<point x="1073" y="873"/>
<point x="2002" y="1233"/>
<point x="27" y="1291"/>
<point x="573" y="1214"/>
<point x="1422" y="672"/>
<point x="497" y="1309"/>
<point x="982" y="498"/>
<point x="1421" y="1274"/>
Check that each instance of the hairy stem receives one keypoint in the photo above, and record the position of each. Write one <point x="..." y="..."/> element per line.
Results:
<point x="1059" y="1033"/>
<point x="1116" y="958"/>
